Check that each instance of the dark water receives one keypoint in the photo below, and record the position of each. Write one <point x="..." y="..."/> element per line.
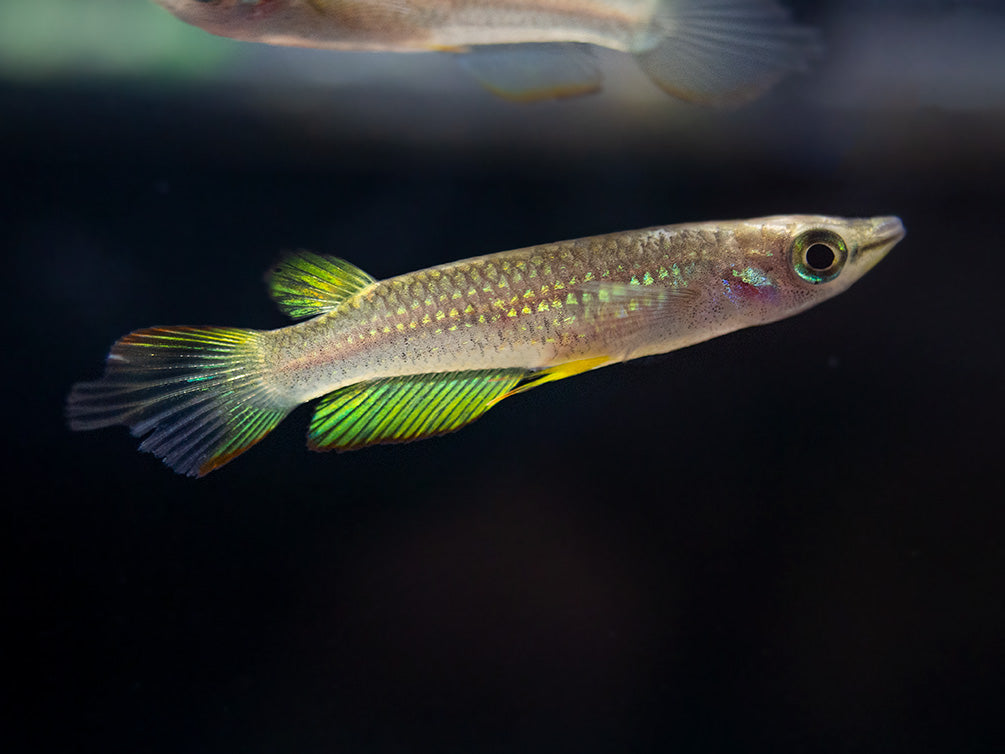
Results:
<point x="786" y="539"/>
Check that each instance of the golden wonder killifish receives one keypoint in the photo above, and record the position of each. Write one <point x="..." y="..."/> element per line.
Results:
<point x="708" y="51"/>
<point x="425" y="353"/>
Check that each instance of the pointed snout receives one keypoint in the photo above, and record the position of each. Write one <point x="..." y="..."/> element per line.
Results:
<point x="882" y="236"/>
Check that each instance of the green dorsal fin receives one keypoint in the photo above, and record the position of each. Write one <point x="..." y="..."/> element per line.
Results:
<point x="399" y="409"/>
<point x="305" y="284"/>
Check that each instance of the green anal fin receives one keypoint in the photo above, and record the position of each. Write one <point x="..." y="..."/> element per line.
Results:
<point x="305" y="284"/>
<point x="532" y="72"/>
<point x="410" y="407"/>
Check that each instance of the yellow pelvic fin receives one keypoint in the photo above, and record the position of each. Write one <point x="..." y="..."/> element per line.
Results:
<point x="305" y="284"/>
<point x="410" y="407"/>
<point x="557" y="372"/>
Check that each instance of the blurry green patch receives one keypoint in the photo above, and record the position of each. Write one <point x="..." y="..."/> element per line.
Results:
<point x="46" y="39"/>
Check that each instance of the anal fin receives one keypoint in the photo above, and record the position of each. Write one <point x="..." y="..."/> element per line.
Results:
<point x="405" y="408"/>
<point x="533" y="71"/>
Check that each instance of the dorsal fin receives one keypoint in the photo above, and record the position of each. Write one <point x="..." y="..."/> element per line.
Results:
<point x="304" y="284"/>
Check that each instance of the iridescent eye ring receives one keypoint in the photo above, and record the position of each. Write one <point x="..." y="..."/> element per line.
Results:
<point x="818" y="255"/>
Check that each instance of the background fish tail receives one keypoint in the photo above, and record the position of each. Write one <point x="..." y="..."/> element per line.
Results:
<point x="724" y="52"/>
<point x="199" y="395"/>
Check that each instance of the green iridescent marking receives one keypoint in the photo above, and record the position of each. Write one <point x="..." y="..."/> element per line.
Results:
<point x="753" y="276"/>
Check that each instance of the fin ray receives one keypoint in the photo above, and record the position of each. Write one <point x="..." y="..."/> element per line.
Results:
<point x="197" y="395"/>
<point x="304" y="284"/>
<point x="401" y="409"/>
<point x="726" y="52"/>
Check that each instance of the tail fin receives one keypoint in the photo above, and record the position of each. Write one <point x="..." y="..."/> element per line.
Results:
<point x="724" y="52"/>
<point x="198" y="391"/>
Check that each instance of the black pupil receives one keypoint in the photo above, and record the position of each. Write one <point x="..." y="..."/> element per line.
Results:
<point x="820" y="256"/>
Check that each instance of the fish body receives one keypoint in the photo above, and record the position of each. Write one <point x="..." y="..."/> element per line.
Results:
<point x="427" y="352"/>
<point x="710" y="51"/>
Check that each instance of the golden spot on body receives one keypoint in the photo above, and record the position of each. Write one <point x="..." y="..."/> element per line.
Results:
<point x="526" y="310"/>
<point x="511" y="313"/>
<point x="469" y="309"/>
<point x="529" y="293"/>
<point x="402" y="310"/>
<point x="454" y="313"/>
<point x="413" y="324"/>
<point x="587" y="277"/>
<point x="426" y="319"/>
<point x="456" y="295"/>
<point x="543" y="306"/>
<point x="400" y="326"/>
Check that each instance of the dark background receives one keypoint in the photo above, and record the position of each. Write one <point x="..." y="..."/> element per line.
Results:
<point x="786" y="539"/>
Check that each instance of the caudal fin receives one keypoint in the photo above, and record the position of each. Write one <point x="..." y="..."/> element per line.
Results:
<point x="197" y="393"/>
<point x="724" y="52"/>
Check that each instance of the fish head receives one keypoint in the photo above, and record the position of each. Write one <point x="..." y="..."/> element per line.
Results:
<point x="782" y="265"/>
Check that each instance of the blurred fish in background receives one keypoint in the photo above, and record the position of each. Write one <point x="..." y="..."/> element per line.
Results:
<point x="708" y="51"/>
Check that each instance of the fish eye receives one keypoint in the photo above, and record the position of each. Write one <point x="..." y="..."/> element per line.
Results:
<point x="818" y="255"/>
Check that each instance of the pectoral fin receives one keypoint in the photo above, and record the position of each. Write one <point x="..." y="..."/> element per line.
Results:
<point x="532" y="72"/>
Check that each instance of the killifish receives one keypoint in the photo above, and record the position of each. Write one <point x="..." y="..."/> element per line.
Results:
<point x="708" y="51"/>
<point x="428" y="352"/>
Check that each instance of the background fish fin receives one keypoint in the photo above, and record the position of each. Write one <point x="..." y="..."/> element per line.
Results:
<point x="410" y="407"/>
<point x="304" y="284"/>
<point x="532" y="72"/>
<point x="726" y="52"/>
<point x="198" y="393"/>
